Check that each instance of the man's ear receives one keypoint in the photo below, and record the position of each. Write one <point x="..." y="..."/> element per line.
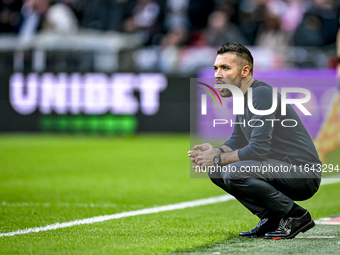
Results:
<point x="245" y="71"/>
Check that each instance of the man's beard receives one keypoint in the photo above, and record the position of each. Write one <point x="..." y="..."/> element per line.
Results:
<point x="232" y="81"/>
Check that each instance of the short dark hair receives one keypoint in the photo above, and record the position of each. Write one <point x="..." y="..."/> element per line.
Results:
<point x="239" y="50"/>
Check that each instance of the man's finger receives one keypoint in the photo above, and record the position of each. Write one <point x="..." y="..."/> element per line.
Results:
<point x="197" y="147"/>
<point x="200" y="147"/>
<point x="208" y="145"/>
<point x="198" y="158"/>
<point x="193" y="160"/>
<point x="192" y="153"/>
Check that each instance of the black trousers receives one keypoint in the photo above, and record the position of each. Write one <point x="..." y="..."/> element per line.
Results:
<point x="267" y="188"/>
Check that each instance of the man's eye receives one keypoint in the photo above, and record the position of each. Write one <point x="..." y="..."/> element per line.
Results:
<point x="225" y="68"/>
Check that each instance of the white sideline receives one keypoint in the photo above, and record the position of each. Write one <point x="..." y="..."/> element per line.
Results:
<point x="5" y="204"/>
<point x="183" y="205"/>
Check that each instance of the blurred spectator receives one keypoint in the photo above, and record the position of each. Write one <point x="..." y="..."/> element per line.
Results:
<point x="104" y="14"/>
<point x="32" y="12"/>
<point x="220" y="30"/>
<point x="338" y="51"/>
<point x="198" y="12"/>
<point x="176" y="36"/>
<point x="79" y="7"/>
<point x="10" y="16"/>
<point x="320" y="24"/>
<point x="176" y="14"/>
<point x="145" y="16"/>
<point x="60" y="19"/>
<point x="170" y="49"/>
<point x="206" y="22"/>
<point x="129" y="26"/>
<point x="328" y="13"/>
<point x="251" y="16"/>
<point x="293" y="15"/>
<point x="270" y="35"/>
<point x="309" y="32"/>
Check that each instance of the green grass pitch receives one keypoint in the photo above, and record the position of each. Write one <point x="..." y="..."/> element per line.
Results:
<point x="45" y="179"/>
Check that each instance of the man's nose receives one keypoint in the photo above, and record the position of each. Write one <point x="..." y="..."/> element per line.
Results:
<point x="218" y="73"/>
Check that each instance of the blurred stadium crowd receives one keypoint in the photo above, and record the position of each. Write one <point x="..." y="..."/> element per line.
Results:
<point x="168" y="24"/>
<point x="179" y="22"/>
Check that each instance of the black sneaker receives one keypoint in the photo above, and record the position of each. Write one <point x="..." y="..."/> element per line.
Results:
<point x="264" y="226"/>
<point x="290" y="227"/>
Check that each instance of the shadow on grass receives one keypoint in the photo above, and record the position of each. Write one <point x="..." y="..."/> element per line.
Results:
<point x="320" y="240"/>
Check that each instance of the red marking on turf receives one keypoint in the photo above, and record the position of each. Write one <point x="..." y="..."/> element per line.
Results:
<point x="337" y="219"/>
<point x="277" y="238"/>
